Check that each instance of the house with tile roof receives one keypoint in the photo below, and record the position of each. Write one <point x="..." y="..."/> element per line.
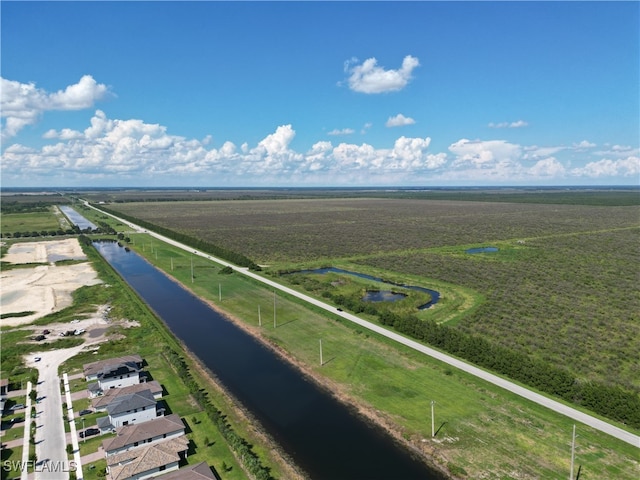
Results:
<point x="198" y="471"/>
<point x="141" y="435"/>
<point x="147" y="462"/>
<point x="128" y="410"/>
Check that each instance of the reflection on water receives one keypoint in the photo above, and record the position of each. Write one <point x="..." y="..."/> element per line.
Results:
<point x="77" y="219"/>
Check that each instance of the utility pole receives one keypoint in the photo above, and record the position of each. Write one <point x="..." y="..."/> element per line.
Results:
<point x="219" y="292"/>
<point x="191" y="268"/>
<point x="573" y="451"/>
<point x="172" y="264"/>
<point x="274" y="309"/>
<point x="321" y="362"/>
<point x="259" y="317"/>
<point x="433" y="419"/>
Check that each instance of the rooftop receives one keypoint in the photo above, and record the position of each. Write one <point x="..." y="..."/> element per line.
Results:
<point x="198" y="471"/>
<point x="131" y="401"/>
<point x="95" y="368"/>
<point x="111" y="394"/>
<point x="130" y="434"/>
<point x="133" y="462"/>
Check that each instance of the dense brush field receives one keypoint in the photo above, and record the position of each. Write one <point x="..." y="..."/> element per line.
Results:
<point x="562" y="287"/>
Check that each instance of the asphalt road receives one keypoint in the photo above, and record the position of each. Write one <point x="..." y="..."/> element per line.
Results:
<point x="454" y="362"/>
<point x="53" y="461"/>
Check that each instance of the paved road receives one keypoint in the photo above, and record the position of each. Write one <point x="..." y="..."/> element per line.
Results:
<point x="454" y="362"/>
<point x="50" y="437"/>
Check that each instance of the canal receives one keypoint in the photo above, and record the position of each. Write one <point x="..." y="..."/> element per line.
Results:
<point x="320" y="434"/>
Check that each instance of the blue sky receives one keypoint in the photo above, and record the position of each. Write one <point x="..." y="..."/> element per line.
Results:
<point x="320" y="93"/>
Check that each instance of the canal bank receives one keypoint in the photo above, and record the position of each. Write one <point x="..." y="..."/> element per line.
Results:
<point x="320" y="434"/>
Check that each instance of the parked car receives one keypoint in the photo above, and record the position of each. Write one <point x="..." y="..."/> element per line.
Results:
<point x="18" y="406"/>
<point x="80" y="331"/>
<point x="37" y="338"/>
<point x="46" y="332"/>
<point x="89" y="432"/>
<point x="84" y="412"/>
<point x="37" y="359"/>
<point x="75" y="321"/>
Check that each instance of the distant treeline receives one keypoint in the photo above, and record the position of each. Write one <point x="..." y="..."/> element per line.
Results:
<point x="612" y="402"/>
<point x="594" y="196"/>
<point x="223" y="253"/>
<point x="23" y="207"/>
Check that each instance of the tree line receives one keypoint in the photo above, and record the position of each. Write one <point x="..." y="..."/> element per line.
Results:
<point x="215" y="250"/>
<point x="612" y="402"/>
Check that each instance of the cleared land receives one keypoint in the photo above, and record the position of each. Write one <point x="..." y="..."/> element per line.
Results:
<point x="32" y="292"/>
<point x="561" y="288"/>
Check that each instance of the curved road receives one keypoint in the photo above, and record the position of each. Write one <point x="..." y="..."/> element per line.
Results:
<point x="454" y="362"/>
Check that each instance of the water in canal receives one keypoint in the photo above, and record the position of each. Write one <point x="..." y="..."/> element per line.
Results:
<point x="321" y="435"/>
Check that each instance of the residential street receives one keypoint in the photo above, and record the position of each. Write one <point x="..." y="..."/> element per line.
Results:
<point x="53" y="461"/>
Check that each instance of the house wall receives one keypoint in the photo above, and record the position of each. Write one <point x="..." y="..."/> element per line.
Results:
<point x="120" y="381"/>
<point x="133" y="417"/>
<point x="150" y="473"/>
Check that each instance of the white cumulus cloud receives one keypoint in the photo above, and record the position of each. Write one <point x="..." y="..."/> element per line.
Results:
<point x="480" y="154"/>
<point x="625" y="167"/>
<point x="22" y="104"/>
<point x="368" y="77"/>
<point x="399" y="120"/>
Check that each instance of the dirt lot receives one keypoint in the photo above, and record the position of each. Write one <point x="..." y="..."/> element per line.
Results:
<point x="42" y="289"/>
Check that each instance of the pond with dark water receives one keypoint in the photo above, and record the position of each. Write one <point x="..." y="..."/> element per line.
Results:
<point x="482" y="250"/>
<point x="435" y="296"/>
<point x="383" y="296"/>
<point x="321" y="435"/>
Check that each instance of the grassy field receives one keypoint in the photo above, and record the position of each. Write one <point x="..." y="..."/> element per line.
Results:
<point x="567" y="269"/>
<point x="30" y="222"/>
<point x="485" y="431"/>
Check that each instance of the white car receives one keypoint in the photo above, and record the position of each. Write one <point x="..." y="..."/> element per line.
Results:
<point x="80" y="331"/>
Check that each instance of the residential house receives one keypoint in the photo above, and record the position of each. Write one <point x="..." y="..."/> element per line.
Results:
<point x="143" y="434"/>
<point x="100" y="403"/>
<point x="113" y="373"/>
<point x="128" y="410"/>
<point x="149" y="461"/>
<point x="197" y="471"/>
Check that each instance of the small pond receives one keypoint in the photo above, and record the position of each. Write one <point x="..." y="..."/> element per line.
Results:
<point x="383" y="296"/>
<point x="482" y="250"/>
<point x="435" y="296"/>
